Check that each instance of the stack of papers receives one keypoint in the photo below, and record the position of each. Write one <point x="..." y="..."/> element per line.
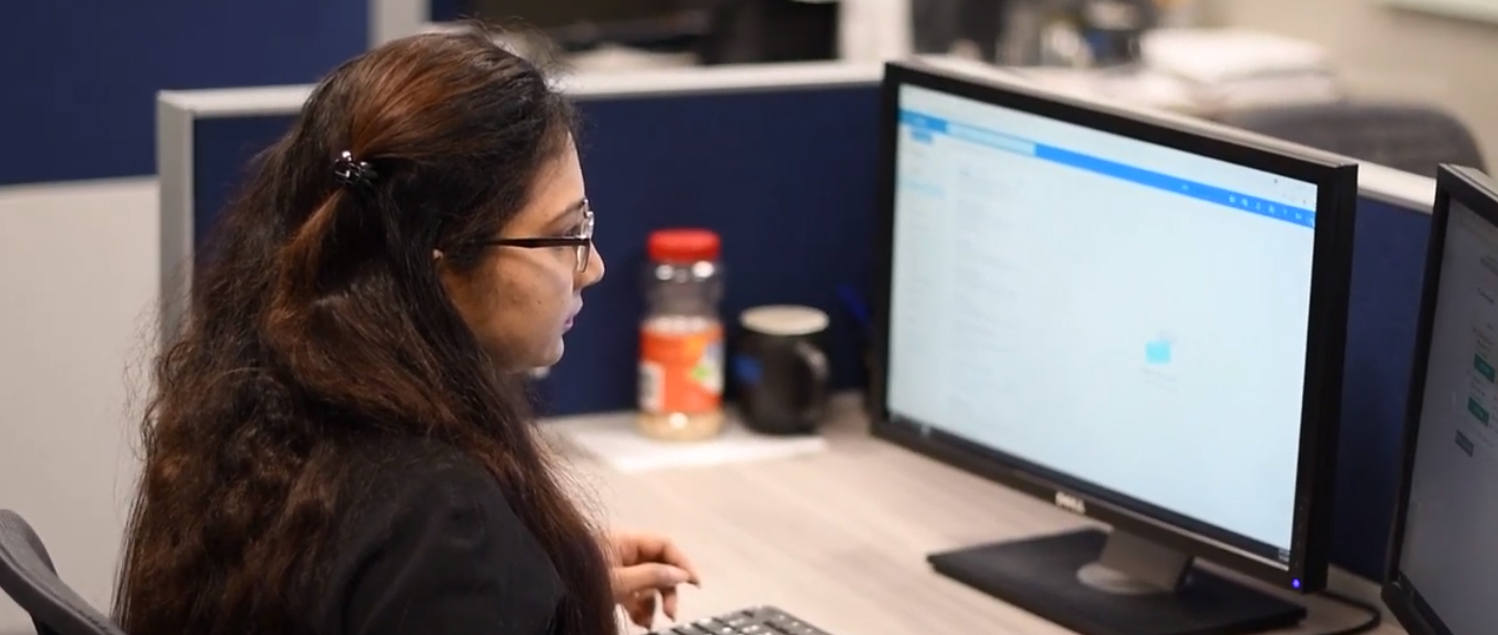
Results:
<point x="614" y="440"/>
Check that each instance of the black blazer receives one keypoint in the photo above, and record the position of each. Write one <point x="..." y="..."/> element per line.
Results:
<point x="427" y="543"/>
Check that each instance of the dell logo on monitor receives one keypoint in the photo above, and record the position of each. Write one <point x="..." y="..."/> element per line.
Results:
<point x="1069" y="502"/>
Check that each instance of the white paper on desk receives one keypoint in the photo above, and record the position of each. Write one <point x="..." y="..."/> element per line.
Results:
<point x="614" y="440"/>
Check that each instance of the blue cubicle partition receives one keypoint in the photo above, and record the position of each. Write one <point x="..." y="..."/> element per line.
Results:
<point x="787" y="176"/>
<point x="82" y="74"/>
<point x="1388" y="263"/>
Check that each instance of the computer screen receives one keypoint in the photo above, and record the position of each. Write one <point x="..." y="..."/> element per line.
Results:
<point x="1139" y="318"/>
<point x="1125" y="313"/>
<point x="1448" y="555"/>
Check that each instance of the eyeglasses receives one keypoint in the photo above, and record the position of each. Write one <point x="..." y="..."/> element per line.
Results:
<point x="581" y="243"/>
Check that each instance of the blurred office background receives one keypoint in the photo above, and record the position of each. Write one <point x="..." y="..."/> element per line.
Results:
<point x="78" y="199"/>
<point x="82" y="75"/>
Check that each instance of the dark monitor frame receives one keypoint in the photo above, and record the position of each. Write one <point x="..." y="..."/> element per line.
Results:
<point x="1477" y="192"/>
<point x="1336" y="181"/>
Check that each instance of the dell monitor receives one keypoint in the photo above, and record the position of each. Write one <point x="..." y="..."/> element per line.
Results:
<point x="1443" y="571"/>
<point x="1132" y="316"/>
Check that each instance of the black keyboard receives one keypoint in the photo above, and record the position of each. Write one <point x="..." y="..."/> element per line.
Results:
<point x="764" y="620"/>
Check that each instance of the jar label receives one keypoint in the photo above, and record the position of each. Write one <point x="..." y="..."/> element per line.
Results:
<point x="681" y="372"/>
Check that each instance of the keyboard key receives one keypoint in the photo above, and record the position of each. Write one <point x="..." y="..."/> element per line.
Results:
<point x="687" y="629"/>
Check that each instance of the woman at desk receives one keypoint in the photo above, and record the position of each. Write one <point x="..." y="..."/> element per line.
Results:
<point x="337" y="442"/>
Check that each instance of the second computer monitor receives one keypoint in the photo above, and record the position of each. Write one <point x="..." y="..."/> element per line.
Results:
<point x="1443" y="576"/>
<point x="1137" y="320"/>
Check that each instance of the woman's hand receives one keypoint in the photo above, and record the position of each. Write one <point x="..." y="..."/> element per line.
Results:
<point x="642" y="565"/>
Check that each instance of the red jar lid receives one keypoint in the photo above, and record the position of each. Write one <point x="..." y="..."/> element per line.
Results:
<point x="683" y="245"/>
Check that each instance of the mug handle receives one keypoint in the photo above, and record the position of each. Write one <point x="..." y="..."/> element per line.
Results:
<point x="815" y="362"/>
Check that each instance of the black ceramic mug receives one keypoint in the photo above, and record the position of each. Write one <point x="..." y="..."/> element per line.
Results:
<point x="780" y="371"/>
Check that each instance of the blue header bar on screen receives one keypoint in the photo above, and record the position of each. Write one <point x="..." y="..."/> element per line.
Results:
<point x="924" y="127"/>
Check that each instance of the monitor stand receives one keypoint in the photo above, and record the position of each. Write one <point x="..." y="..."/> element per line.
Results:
<point x="1114" y="584"/>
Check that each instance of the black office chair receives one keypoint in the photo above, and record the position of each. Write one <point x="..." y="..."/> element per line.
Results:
<point x="1413" y="138"/>
<point x="27" y="576"/>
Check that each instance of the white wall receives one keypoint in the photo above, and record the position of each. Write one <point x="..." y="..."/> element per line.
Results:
<point x="1387" y="52"/>
<point x="78" y="282"/>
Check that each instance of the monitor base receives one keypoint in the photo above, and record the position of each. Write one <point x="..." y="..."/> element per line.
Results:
<point x="1066" y="578"/>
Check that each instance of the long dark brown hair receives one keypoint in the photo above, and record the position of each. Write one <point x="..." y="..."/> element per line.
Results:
<point x="317" y="321"/>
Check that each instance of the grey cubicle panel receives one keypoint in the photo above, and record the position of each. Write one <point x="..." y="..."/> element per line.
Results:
<point x="712" y="147"/>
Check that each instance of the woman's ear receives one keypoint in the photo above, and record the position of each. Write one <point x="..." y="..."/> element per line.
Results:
<point x="437" y="255"/>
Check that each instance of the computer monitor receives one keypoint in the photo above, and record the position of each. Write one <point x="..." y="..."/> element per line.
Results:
<point x="1127" y="315"/>
<point x="1443" y="556"/>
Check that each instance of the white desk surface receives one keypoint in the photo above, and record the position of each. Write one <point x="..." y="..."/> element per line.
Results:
<point x="839" y="538"/>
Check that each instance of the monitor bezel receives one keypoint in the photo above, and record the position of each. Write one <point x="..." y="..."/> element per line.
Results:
<point x="1336" y="181"/>
<point x="1477" y="192"/>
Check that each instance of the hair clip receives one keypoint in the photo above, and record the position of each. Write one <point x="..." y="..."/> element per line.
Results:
<point x="352" y="172"/>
